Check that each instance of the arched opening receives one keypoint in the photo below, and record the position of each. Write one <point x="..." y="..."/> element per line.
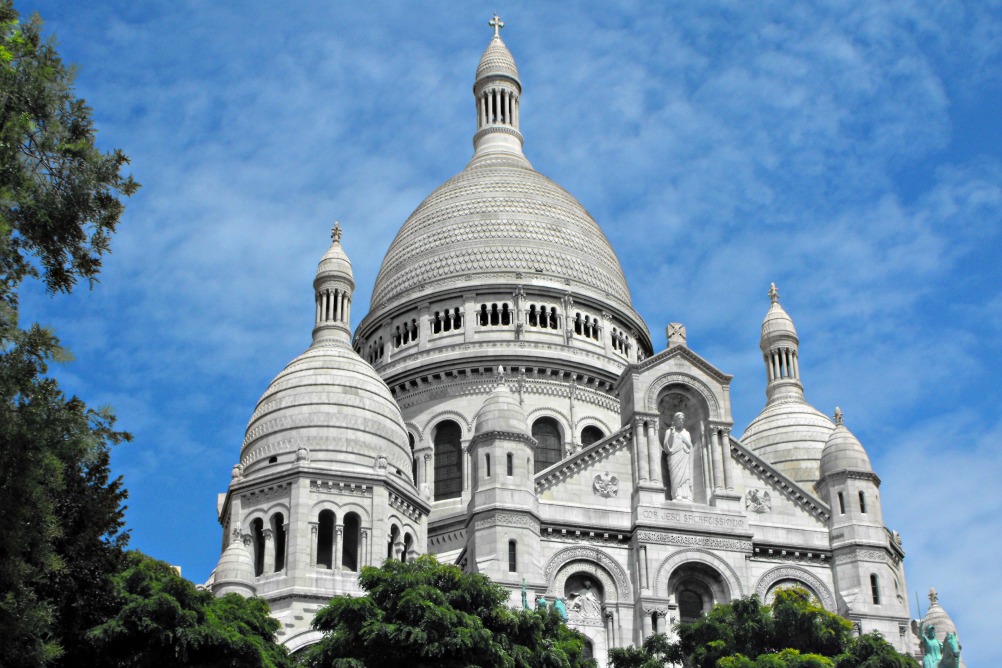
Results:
<point x="408" y="547"/>
<point x="512" y="557"/>
<point x="862" y="502"/>
<point x="591" y="434"/>
<point x="546" y="431"/>
<point x="257" y="537"/>
<point x="588" y="652"/>
<point x="410" y="440"/>
<point x="841" y="503"/>
<point x="487" y="465"/>
<point x="696" y="587"/>
<point x="448" y="461"/>
<point x="350" y="541"/>
<point x="875" y="588"/>
<point x="278" y="531"/>
<point x="697" y="467"/>
<point x="510" y="460"/>
<point x="585" y="597"/>
<point x="394" y="537"/>
<point x="790" y="583"/>
<point x="325" y="539"/>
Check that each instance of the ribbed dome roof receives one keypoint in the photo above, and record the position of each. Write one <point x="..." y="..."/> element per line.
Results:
<point x="331" y="402"/>
<point x="843" y="451"/>
<point x="938" y="617"/>
<point x="777" y="323"/>
<point x="235" y="568"/>
<point x="499" y="215"/>
<point x="497" y="61"/>
<point x="501" y="412"/>
<point x="790" y="434"/>
<point x="335" y="262"/>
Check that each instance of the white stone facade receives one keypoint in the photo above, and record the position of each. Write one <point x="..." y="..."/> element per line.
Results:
<point x="552" y="472"/>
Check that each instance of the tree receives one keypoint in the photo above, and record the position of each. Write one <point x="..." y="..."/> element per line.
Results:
<point x="424" y="613"/>
<point x="794" y="632"/>
<point x="164" y="621"/>
<point x="59" y="204"/>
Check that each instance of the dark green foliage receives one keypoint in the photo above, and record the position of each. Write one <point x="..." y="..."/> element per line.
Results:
<point x="794" y="632"/>
<point x="61" y="535"/>
<point x="424" y="613"/>
<point x="59" y="195"/>
<point x="164" y="621"/>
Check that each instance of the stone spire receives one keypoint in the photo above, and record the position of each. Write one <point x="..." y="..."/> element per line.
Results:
<point x="497" y="90"/>
<point x="333" y="288"/>
<point x="780" y="344"/>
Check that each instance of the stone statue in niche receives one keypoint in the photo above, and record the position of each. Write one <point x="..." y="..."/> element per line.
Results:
<point x="758" y="501"/>
<point x="584" y="601"/>
<point x="606" y="485"/>
<point x="678" y="446"/>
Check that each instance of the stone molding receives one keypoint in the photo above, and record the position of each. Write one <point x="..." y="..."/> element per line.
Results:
<point x="503" y="436"/>
<point x="594" y="555"/>
<point x="507" y="519"/>
<point x="840" y="476"/>
<point x="330" y="487"/>
<point x="401" y="504"/>
<point x="686" y="353"/>
<point x="813" y="583"/>
<point x="688" y="380"/>
<point x="692" y="541"/>
<point x="862" y="554"/>
<point x="701" y="556"/>
<point x="584" y="459"/>
<point x="465" y="423"/>
<point x="256" y="494"/>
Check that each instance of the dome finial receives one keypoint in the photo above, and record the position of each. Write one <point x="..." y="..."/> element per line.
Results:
<point x="839" y="417"/>
<point x="497" y="24"/>
<point x="933" y="596"/>
<point x="773" y="293"/>
<point x="336" y="232"/>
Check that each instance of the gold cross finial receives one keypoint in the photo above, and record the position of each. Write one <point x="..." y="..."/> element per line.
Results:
<point x="497" y="24"/>
<point x="336" y="232"/>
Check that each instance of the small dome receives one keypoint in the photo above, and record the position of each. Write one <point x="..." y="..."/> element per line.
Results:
<point x="335" y="262"/>
<point x="501" y="412"/>
<point x="235" y="570"/>
<point x="497" y="61"/>
<point x="843" y="451"/>
<point x="777" y="324"/>
<point x="790" y="434"/>
<point x="329" y="401"/>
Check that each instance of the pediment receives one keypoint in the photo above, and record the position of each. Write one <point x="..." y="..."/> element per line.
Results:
<point x="780" y="483"/>
<point x="683" y="353"/>
<point x="585" y="460"/>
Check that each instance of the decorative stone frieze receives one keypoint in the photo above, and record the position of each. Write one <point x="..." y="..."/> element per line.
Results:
<point x="331" y="487"/>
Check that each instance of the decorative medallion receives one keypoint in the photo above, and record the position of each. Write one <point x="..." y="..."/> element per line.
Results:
<point x="758" y="501"/>
<point x="606" y="485"/>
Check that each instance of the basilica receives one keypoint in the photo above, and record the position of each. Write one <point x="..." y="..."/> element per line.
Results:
<point x="501" y="406"/>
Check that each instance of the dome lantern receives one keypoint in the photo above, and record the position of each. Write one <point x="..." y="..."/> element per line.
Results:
<point x="333" y="287"/>
<point x="497" y="90"/>
<point x="780" y="351"/>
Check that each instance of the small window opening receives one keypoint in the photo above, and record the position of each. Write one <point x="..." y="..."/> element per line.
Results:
<point x="875" y="589"/>
<point x="487" y="465"/>
<point x="273" y="460"/>
<point x="862" y="502"/>
<point x="325" y="539"/>
<point x="841" y="503"/>
<point x="512" y="556"/>
<point x="511" y="464"/>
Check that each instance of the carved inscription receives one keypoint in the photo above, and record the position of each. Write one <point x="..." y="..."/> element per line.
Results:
<point x="693" y="541"/>
<point x="698" y="520"/>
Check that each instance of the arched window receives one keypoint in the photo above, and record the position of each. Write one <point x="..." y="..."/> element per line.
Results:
<point x="512" y="556"/>
<point x="325" y="539"/>
<point x="862" y="502"/>
<point x="408" y="546"/>
<point x="349" y="542"/>
<point x="448" y="461"/>
<point x="511" y="464"/>
<point x="875" y="589"/>
<point x="257" y="536"/>
<point x="591" y="434"/>
<point x="410" y="439"/>
<point x="546" y="431"/>
<point x="841" y="503"/>
<point x="690" y="605"/>
<point x="394" y="536"/>
<point x="278" y="530"/>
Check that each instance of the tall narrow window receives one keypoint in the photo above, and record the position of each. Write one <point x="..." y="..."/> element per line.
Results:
<point x="391" y="544"/>
<point x="278" y="530"/>
<point x="257" y="536"/>
<point x="487" y="465"/>
<point x="862" y="502"/>
<point x="410" y="439"/>
<point x="349" y="542"/>
<point x="448" y="461"/>
<point x="875" y="589"/>
<point x="325" y="539"/>
<point x="511" y="464"/>
<point x="546" y="431"/>
<point x="408" y="547"/>
<point x="841" y="503"/>
<point x="512" y="556"/>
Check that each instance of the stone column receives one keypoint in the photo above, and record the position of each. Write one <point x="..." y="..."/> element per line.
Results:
<point x="338" y="544"/>
<point x="269" y="551"/>
<point x="314" y="528"/>
<point x="725" y="435"/>
<point x="469" y="316"/>
<point x="659" y="616"/>
<point x="424" y="326"/>
<point x="466" y="463"/>
<point x="718" y="462"/>
<point x="648" y="624"/>
<point x="653" y="452"/>
<point x="366" y="558"/>
<point x="639" y="446"/>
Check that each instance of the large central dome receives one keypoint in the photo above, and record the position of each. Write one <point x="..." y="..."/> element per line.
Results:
<point x="499" y="216"/>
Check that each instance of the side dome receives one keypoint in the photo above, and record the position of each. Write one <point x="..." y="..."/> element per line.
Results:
<point x="790" y="435"/>
<point x="843" y="451"/>
<point x="501" y="412"/>
<point x="499" y="216"/>
<point x="235" y="571"/>
<point x="333" y="404"/>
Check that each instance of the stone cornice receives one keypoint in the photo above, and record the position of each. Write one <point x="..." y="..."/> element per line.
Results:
<point x="791" y="490"/>
<point x="583" y="459"/>
<point x="504" y="436"/>
<point x="678" y="351"/>
<point x="839" y="476"/>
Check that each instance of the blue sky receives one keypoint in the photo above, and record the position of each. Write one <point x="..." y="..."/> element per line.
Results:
<point x="851" y="152"/>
